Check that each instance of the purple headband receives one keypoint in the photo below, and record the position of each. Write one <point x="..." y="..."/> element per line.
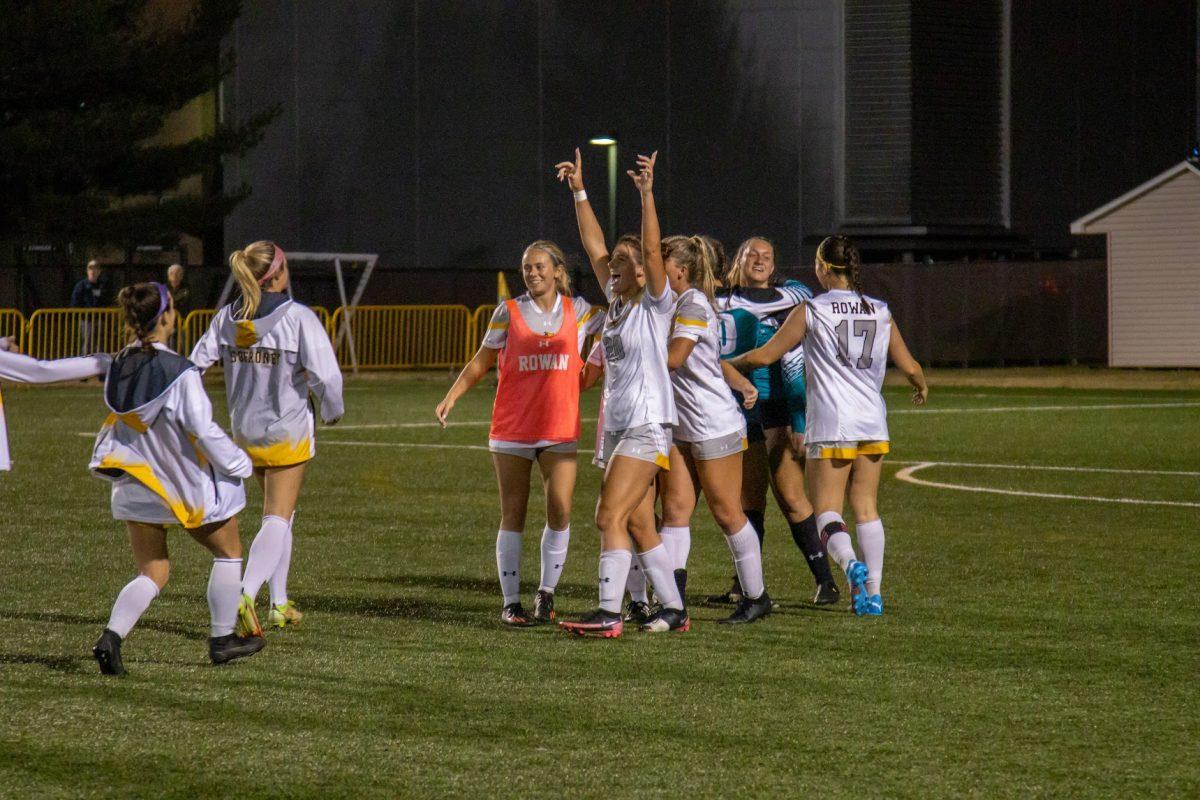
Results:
<point x="164" y="302"/>
<point x="276" y="263"/>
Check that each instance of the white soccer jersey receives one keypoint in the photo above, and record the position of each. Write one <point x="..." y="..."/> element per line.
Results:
<point x="271" y="364"/>
<point x="704" y="401"/>
<point x="23" y="369"/>
<point x="847" y="350"/>
<point x="596" y="357"/>
<point x="168" y="460"/>
<point x="588" y="320"/>
<point x="637" y="383"/>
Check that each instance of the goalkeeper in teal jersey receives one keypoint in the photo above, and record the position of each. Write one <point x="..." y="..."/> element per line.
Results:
<point x="752" y="309"/>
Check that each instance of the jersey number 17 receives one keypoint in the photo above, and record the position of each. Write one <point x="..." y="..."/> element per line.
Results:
<point x="863" y="328"/>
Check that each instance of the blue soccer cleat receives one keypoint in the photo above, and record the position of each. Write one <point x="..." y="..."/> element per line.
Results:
<point x="857" y="573"/>
<point x="874" y="606"/>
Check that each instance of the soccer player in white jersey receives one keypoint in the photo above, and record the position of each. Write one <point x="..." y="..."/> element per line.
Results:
<point x="639" y="405"/>
<point x="23" y="369"/>
<point x="169" y="464"/>
<point x="848" y="338"/>
<point x="711" y="434"/>
<point x="537" y="339"/>
<point x="276" y="354"/>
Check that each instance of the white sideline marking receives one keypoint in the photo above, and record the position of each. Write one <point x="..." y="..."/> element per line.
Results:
<point x="1114" y="470"/>
<point x="906" y="475"/>
<point x="428" y="445"/>
<point x="477" y="423"/>
<point x="1000" y="409"/>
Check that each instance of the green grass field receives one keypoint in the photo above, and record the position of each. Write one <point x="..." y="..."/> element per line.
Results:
<point x="1032" y="646"/>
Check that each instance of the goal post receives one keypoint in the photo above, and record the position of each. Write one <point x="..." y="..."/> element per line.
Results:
<point x="341" y="262"/>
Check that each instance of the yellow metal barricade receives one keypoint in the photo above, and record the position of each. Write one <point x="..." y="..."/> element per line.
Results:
<point x="479" y="322"/>
<point x="192" y="328"/>
<point x="63" y="332"/>
<point x="326" y="319"/>
<point x="398" y="337"/>
<point x="12" y="325"/>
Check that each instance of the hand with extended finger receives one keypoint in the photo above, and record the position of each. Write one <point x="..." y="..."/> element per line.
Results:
<point x="643" y="179"/>
<point x="571" y="172"/>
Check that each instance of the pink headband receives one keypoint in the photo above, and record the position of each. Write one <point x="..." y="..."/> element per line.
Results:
<point x="276" y="263"/>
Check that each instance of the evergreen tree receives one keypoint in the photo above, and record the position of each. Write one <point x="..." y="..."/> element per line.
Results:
<point x="83" y="86"/>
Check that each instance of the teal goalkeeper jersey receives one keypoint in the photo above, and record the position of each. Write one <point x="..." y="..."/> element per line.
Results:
<point x="748" y="319"/>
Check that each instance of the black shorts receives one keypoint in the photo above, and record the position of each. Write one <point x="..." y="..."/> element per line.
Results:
<point x="775" y="413"/>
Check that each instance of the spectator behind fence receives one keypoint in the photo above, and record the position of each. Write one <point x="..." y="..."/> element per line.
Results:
<point x="181" y="298"/>
<point x="90" y="292"/>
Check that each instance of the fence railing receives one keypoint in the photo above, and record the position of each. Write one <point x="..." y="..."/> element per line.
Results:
<point x="12" y="325"/>
<point x="385" y="337"/>
<point x="63" y="332"/>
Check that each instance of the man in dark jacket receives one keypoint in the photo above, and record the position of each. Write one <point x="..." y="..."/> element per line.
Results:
<point x="90" y="293"/>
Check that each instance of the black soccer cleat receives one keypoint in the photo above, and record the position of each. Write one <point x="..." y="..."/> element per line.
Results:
<point x="107" y="653"/>
<point x="637" y="613"/>
<point x="514" y="615"/>
<point x="748" y="611"/>
<point x="543" y="607"/>
<point x="827" y="594"/>
<point x="732" y="597"/>
<point x="223" y="649"/>
<point x="668" y="619"/>
<point x="599" y="623"/>
<point x="681" y="584"/>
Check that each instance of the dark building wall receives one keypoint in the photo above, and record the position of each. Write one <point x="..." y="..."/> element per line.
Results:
<point x="1103" y="98"/>
<point x="427" y="131"/>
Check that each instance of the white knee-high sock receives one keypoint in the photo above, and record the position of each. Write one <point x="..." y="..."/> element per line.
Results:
<point x="747" y="560"/>
<point x="131" y="603"/>
<point x="554" y="556"/>
<point x="614" y="569"/>
<point x="838" y="544"/>
<point x="660" y="569"/>
<point x="678" y="540"/>
<point x="224" y="594"/>
<point x="635" y="584"/>
<point x="870" y="541"/>
<point x="508" y="564"/>
<point x="264" y="553"/>
<point x="279" y="595"/>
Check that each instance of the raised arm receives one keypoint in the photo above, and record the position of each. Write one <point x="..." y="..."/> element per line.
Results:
<point x="908" y="366"/>
<point x="652" y="260"/>
<point x="790" y="334"/>
<point x="476" y="368"/>
<point x="591" y="235"/>
<point x="23" y="369"/>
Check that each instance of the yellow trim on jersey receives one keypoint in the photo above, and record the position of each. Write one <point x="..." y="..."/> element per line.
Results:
<point x="497" y="326"/>
<point x="188" y="517"/>
<point x="591" y="312"/>
<point x="699" y="323"/>
<point x="663" y="461"/>
<point x="851" y="453"/>
<point x="130" y="418"/>
<point x="246" y="335"/>
<point x="280" y="454"/>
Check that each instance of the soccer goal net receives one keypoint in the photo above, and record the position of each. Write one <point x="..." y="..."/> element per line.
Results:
<point x="341" y="264"/>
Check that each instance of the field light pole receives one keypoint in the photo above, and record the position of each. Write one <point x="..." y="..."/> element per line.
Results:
<point x="610" y="141"/>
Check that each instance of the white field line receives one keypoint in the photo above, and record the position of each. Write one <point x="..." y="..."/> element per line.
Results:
<point x="1005" y="409"/>
<point x="907" y="473"/>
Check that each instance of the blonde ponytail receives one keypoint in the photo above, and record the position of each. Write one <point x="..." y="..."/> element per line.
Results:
<point x="698" y="258"/>
<point x="248" y="267"/>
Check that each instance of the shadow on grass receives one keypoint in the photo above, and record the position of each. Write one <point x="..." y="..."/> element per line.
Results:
<point x="415" y="609"/>
<point x="463" y="583"/>
<point x="56" y="663"/>
<point x="186" y="631"/>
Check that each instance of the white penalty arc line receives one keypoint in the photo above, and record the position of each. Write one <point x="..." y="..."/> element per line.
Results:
<point x="907" y="474"/>
<point x="1007" y="409"/>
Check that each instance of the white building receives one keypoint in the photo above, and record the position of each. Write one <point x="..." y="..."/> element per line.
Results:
<point x="1153" y="270"/>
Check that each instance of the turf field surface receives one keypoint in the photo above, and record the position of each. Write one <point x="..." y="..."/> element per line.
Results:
<point x="1032" y="646"/>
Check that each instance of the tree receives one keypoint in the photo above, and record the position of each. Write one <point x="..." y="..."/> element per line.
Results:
<point x="84" y="88"/>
